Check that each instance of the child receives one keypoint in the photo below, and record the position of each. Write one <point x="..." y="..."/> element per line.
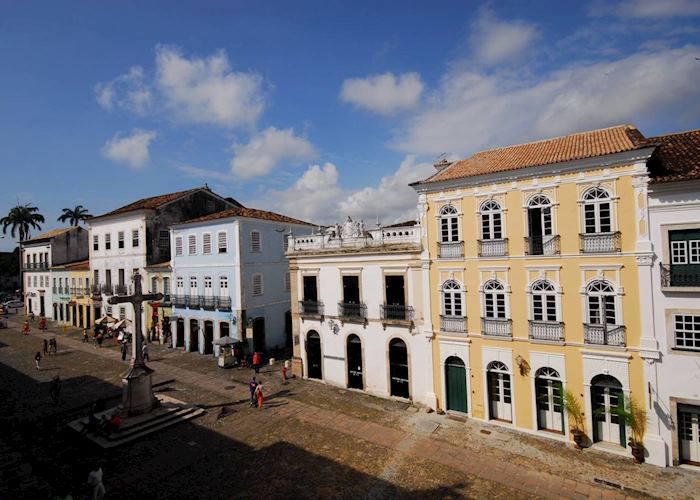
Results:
<point x="37" y="358"/>
<point x="259" y="394"/>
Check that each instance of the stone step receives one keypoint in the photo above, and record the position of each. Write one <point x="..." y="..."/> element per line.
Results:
<point x="155" y="425"/>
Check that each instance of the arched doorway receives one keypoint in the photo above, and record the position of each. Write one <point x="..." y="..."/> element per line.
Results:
<point x="606" y="397"/>
<point x="456" y="384"/>
<point x="259" y="334"/>
<point x="498" y="379"/>
<point x="548" y="394"/>
<point x="354" y="362"/>
<point x="208" y="337"/>
<point x="55" y="311"/>
<point x="60" y="312"/>
<point x="180" y="333"/>
<point x="194" y="335"/>
<point x="398" y="369"/>
<point x="313" y="355"/>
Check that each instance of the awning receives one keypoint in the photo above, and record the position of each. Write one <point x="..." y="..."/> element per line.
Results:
<point x="121" y="323"/>
<point x="105" y="319"/>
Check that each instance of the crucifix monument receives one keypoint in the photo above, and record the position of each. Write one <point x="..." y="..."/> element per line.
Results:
<point x="137" y="397"/>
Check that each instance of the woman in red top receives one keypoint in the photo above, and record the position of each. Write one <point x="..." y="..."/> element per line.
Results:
<point x="259" y="395"/>
<point x="257" y="361"/>
<point x="25" y="328"/>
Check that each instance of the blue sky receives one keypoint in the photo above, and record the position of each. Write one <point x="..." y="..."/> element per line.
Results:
<point x="317" y="109"/>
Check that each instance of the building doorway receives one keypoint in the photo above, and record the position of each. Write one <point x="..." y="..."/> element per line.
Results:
<point x="498" y="380"/>
<point x="398" y="369"/>
<point x="288" y="341"/>
<point x="689" y="434"/>
<point x="354" y="363"/>
<point x="180" y="333"/>
<point x="456" y="384"/>
<point x="87" y="316"/>
<point x="42" y="305"/>
<point x="55" y="311"/>
<point x="194" y="336"/>
<point x="313" y="355"/>
<point x="259" y="334"/>
<point x="80" y="316"/>
<point x="75" y="315"/>
<point x="548" y="394"/>
<point x="60" y="311"/>
<point x="208" y="337"/>
<point x="606" y="396"/>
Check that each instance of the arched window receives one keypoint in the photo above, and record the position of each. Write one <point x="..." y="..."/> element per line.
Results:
<point x="596" y="211"/>
<point x="540" y="215"/>
<point x="498" y="367"/>
<point x="548" y="393"/>
<point x="601" y="303"/>
<point x="547" y="374"/>
<point x="452" y="299"/>
<point x="491" y="223"/>
<point x="449" y="224"/>
<point x="544" y="301"/>
<point x="494" y="300"/>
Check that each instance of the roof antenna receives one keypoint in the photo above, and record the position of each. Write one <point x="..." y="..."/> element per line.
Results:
<point x="206" y="186"/>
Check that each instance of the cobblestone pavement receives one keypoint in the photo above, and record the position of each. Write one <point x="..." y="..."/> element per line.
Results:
<point x="311" y="440"/>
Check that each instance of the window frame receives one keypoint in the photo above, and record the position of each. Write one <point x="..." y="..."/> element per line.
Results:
<point x="538" y="293"/>
<point x="191" y="244"/>
<point x="589" y="200"/>
<point x="490" y="292"/>
<point x="179" y="247"/>
<point x="603" y="302"/>
<point x="252" y="241"/>
<point x="219" y="234"/>
<point x="135" y="238"/>
<point x="253" y="285"/>
<point x="95" y="242"/>
<point x="453" y="290"/>
<point x="449" y="224"/>
<point x="488" y="216"/>
<point x="120" y="240"/>
<point x="206" y="236"/>
<point x="108" y="241"/>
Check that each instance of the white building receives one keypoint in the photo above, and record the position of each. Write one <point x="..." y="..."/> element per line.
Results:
<point x="674" y="223"/>
<point x="231" y="278"/>
<point x="60" y="246"/>
<point x="359" y="300"/>
<point x="134" y="236"/>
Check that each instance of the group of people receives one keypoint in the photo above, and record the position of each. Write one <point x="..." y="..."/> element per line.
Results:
<point x="257" y="398"/>
<point x="50" y="346"/>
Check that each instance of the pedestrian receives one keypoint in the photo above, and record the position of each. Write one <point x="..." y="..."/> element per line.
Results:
<point x="46" y="347"/>
<point x="144" y="352"/>
<point x="259" y="395"/>
<point x="123" y="349"/>
<point x="99" y="340"/>
<point x="252" y="385"/>
<point x="85" y="335"/>
<point x="55" y="389"/>
<point x="95" y="482"/>
<point x="257" y="361"/>
<point x="42" y="323"/>
<point x="237" y="353"/>
<point x="53" y="347"/>
<point x="25" y="328"/>
<point x="284" y="375"/>
<point x="31" y="316"/>
<point x="37" y="358"/>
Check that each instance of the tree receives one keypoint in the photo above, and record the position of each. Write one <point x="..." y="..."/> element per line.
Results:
<point x="21" y="219"/>
<point x="75" y="215"/>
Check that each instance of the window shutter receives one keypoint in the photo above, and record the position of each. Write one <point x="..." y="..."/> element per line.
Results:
<point x="206" y="243"/>
<point x="178" y="246"/>
<point x="257" y="284"/>
<point x="222" y="242"/>
<point x="192" y="244"/>
<point x="255" y="241"/>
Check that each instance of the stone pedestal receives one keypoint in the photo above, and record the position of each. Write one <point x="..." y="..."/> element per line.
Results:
<point x="137" y="395"/>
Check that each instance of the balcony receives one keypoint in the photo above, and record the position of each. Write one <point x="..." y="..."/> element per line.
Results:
<point x="497" y="327"/>
<point x="310" y="308"/>
<point x="79" y="292"/>
<point x="604" y="334"/>
<point x="95" y="292"/>
<point x="600" y="242"/>
<point x="208" y="303"/>
<point x="350" y="311"/>
<point x="542" y="245"/>
<point x="107" y="289"/>
<point x="456" y="324"/>
<point x="179" y="301"/>
<point x="451" y="250"/>
<point x="678" y="275"/>
<point x="35" y="266"/>
<point x="166" y="298"/>
<point x="552" y="331"/>
<point x="223" y="303"/>
<point x="194" y="301"/>
<point x="54" y="289"/>
<point x="120" y="290"/>
<point x="493" y="248"/>
<point x="396" y="312"/>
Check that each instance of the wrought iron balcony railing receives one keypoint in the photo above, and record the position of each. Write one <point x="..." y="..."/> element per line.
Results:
<point x="352" y="311"/>
<point x="35" y="266"/>
<point x="396" y="312"/>
<point x="79" y="292"/>
<point x="496" y="327"/>
<point x="604" y="334"/>
<point x="208" y="303"/>
<point x="453" y="323"/>
<point x="179" y="301"/>
<point x="600" y="242"/>
<point x="310" y="308"/>
<point x="493" y="248"/>
<point x="546" y="330"/>
<point x="166" y="298"/>
<point x="194" y="301"/>
<point x="678" y="275"/>
<point x="223" y="303"/>
<point x="452" y="249"/>
<point x="120" y="289"/>
<point x="107" y="289"/>
<point x="542" y="245"/>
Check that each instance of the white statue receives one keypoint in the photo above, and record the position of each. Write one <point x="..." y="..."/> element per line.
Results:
<point x="348" y="228"/>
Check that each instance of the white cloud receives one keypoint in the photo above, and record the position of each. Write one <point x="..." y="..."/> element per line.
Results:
<point x="495" y="41"/>
<point x="474" y="110"/>
<point x="384" y="94"/>
<point x="653" y="9"/>
<point x="267" y="150"/>
<point x="203" y="173"/>
<point x="129" y="91"/>
<point x="131" y="149"/>
<point x="206" y="90"/>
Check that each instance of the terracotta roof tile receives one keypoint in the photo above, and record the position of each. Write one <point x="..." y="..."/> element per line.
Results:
<point x="83" y="265"/>
<point x="677" y="157"/>
<point x="150" y="203"/>
<point x="559" y="149"/>
<point x="49" y="234"/>
<point x="251" y="213"/>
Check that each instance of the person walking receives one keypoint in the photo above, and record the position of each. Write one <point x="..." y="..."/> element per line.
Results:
<point x="53" y="346"/>
<point x="37" y="359"/>
<point x="257" y="361"/>
<point x="252" y="385"/>
<point x="46" y="347"/>
<point x="99" y="340"/>
<point x="55" y="389"/>
<point x="85" y="335"/>
<point x="259" y="395"/>
<point x="124" y="350"/>
<point x="42" y="323"/>
<point x="144" y="352"/>
<point x="284" y="374"/>
<point x="25" y="328"/>
<point x="95" y="482"/>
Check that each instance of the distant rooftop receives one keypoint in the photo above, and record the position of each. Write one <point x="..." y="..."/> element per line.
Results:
<point x="251" y="213"/>
<point x="677" y="157"/>
<point x="49" y="234"/>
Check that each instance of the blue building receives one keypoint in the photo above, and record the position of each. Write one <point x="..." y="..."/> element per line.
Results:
<point x="231" y="277"/>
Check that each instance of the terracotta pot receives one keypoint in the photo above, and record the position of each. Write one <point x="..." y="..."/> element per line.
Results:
<point x="637" y="453"/>
<point x="578" y="439"/>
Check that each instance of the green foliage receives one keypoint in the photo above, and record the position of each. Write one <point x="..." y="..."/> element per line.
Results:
<point x="75" y="215"/>
<point x="574" y="410"/>
<point x="634" y="416"/>
<point x="21" y="219"/>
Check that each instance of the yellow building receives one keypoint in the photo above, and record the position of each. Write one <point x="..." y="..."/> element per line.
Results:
<point x="158" y="313"/>
<point x="71" y="292"/>
<point x="533" y="255"/>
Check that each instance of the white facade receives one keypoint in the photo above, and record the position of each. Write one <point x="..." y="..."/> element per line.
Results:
<point x="674" y="213"/>
<point x="36" y="262"/>
<point x="363" y="340"/>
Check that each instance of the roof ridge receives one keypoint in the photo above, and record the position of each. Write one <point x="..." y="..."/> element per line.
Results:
<point x="674" y="133"/>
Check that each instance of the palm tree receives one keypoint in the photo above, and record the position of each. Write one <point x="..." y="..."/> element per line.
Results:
<point x="75" y="215"/>
<point x="22" y="219"/>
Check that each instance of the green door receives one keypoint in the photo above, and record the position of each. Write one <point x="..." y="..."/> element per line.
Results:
<point x="456" y="380"/>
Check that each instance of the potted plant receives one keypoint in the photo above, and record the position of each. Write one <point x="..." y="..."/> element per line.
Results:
<point x="574" y="410"/>
<point x="634" y="416"/>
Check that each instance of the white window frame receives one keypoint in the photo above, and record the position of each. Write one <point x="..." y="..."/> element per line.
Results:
<point x="108" y="241"/>
<point x="194" y="286"/>
<point x="489" y="214"/>
<point x="135" y="238"/>
<point x="537" y="289"/>
<point x="453" y="290"/>
<point x="253" y="248"/>
<point x="222" y="237"/>
<point x="253" y="286"/>
<point x="536" y="201"/>
<point x="693" y="251"/>
<point x="178" y="246"/>
<point x="494" y="288"/>
<point x="693" y="333"/>
<point x="449" y="215"/>
<point x="612" y="292"/>
<point x="120" y="240"/>
<point x="95" y="243"/>
<point x="223" y="286"/>
<point x="592" y="198"/>
<point x="122" y="312"/>
<point x="191" y="244"/>
<point x="206" y="243"/>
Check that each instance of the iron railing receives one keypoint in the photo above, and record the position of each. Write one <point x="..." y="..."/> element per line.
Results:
<point x="194" y="301"/>
<point x="451" y="249"/>
<point x="208" y="303"/>
<point x="600" y="242"/>
<point x="493" y="248"/>
<point x="223" y="303"/>
<point x="672" y="276"/>
<point x="496" y="327"/>
<point x="604" y="334"/>
<point x="396" y="312"/>
<point x="542" y="245"/>
<point x="120" y="289"/>
<point x="310" y="308"/>
<point x="34" y="266"/>
<point x="453" y="323"/>
<point x="351" y="310"/>
<point x="166" y="298"/>
<point x="179" y="301"/>
<point x="546" y="330"/>
<point x="107" y="289"/>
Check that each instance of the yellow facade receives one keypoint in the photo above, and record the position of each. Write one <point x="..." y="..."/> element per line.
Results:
<point x="157" y="280"/>
<point x="80" y="312"/>
<point x="570" y="271"/>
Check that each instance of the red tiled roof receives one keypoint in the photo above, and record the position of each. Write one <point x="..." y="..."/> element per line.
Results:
<point x="49" y="234"/>
<point x="83" y="265"/>
<point x="408" y="223"/>
<point x="150" y="203"/>
<point x="677" y="157"/>
<point x="251" y="213"/>
<point x="559" y="149"/>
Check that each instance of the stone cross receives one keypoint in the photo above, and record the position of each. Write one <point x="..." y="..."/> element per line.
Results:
<point x="138" y="391"/>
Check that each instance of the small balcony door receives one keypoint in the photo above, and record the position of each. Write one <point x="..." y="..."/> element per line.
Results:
<point x="689" y="434"/>
<point x="310" y="289"/>
<point x="548" y="390"/>
<point x="499" y="392"/>
<point x="606" y="396"/>
<point x="351" y="289"/>
<point x="395" y="291"/>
